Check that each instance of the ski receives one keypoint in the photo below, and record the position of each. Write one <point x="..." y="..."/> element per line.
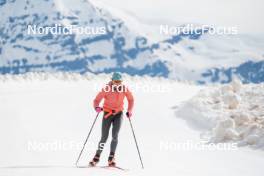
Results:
<point x="85" y="166"/>
<point x="104" y="167"/>
<point x="114" y="167"/>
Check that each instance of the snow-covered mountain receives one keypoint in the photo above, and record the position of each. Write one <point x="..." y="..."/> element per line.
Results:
<point x="127" y="45"/>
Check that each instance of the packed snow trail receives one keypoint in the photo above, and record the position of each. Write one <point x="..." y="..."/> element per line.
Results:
<point x="38" y="117"/>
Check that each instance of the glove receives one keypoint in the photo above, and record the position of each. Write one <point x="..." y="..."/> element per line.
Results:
<point x="98" y="109"/>
<point x="128" y="114"/>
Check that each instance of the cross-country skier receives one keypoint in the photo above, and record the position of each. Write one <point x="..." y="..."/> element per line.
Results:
<point x="113" y="94"/>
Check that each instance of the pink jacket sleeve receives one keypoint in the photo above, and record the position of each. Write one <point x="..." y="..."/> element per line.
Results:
<point x="98" y="98"/>
<point x="130" y="100"/>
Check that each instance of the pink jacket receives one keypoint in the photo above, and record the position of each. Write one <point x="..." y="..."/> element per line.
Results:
<point x="114" y="97"/>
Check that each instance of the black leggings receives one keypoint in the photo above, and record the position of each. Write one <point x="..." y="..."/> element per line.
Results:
<point x="116" y="120"/>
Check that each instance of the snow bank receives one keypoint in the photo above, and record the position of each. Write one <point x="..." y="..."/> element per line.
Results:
<point x="71" y="76"/>
<point x="228" y="113"/>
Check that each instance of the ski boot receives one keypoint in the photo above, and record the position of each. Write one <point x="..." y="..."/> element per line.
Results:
<point x="111" y="160"/>
<point x="95" y="160"/>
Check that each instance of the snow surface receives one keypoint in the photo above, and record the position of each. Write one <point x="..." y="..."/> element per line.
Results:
<point x="57" y="108"/>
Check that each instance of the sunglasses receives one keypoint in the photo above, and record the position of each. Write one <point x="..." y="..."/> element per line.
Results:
<point x="117" y="81"/>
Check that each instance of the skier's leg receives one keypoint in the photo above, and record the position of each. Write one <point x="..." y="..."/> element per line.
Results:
<point x="117" y="121"/>
<point x="106" y="123"/>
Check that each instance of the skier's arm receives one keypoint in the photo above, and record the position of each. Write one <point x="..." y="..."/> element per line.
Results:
<point x="130" y="100"/>
<point x="98" y="98"/>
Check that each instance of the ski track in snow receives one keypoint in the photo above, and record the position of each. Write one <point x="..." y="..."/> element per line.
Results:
<point x="53" y="109"/>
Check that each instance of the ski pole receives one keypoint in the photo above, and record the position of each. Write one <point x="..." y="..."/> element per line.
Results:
<point x="76" y="163"/>
<point x="136" y="142"/>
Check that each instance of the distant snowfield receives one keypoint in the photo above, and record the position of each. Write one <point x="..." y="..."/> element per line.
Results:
<point x="54" y="112"/>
